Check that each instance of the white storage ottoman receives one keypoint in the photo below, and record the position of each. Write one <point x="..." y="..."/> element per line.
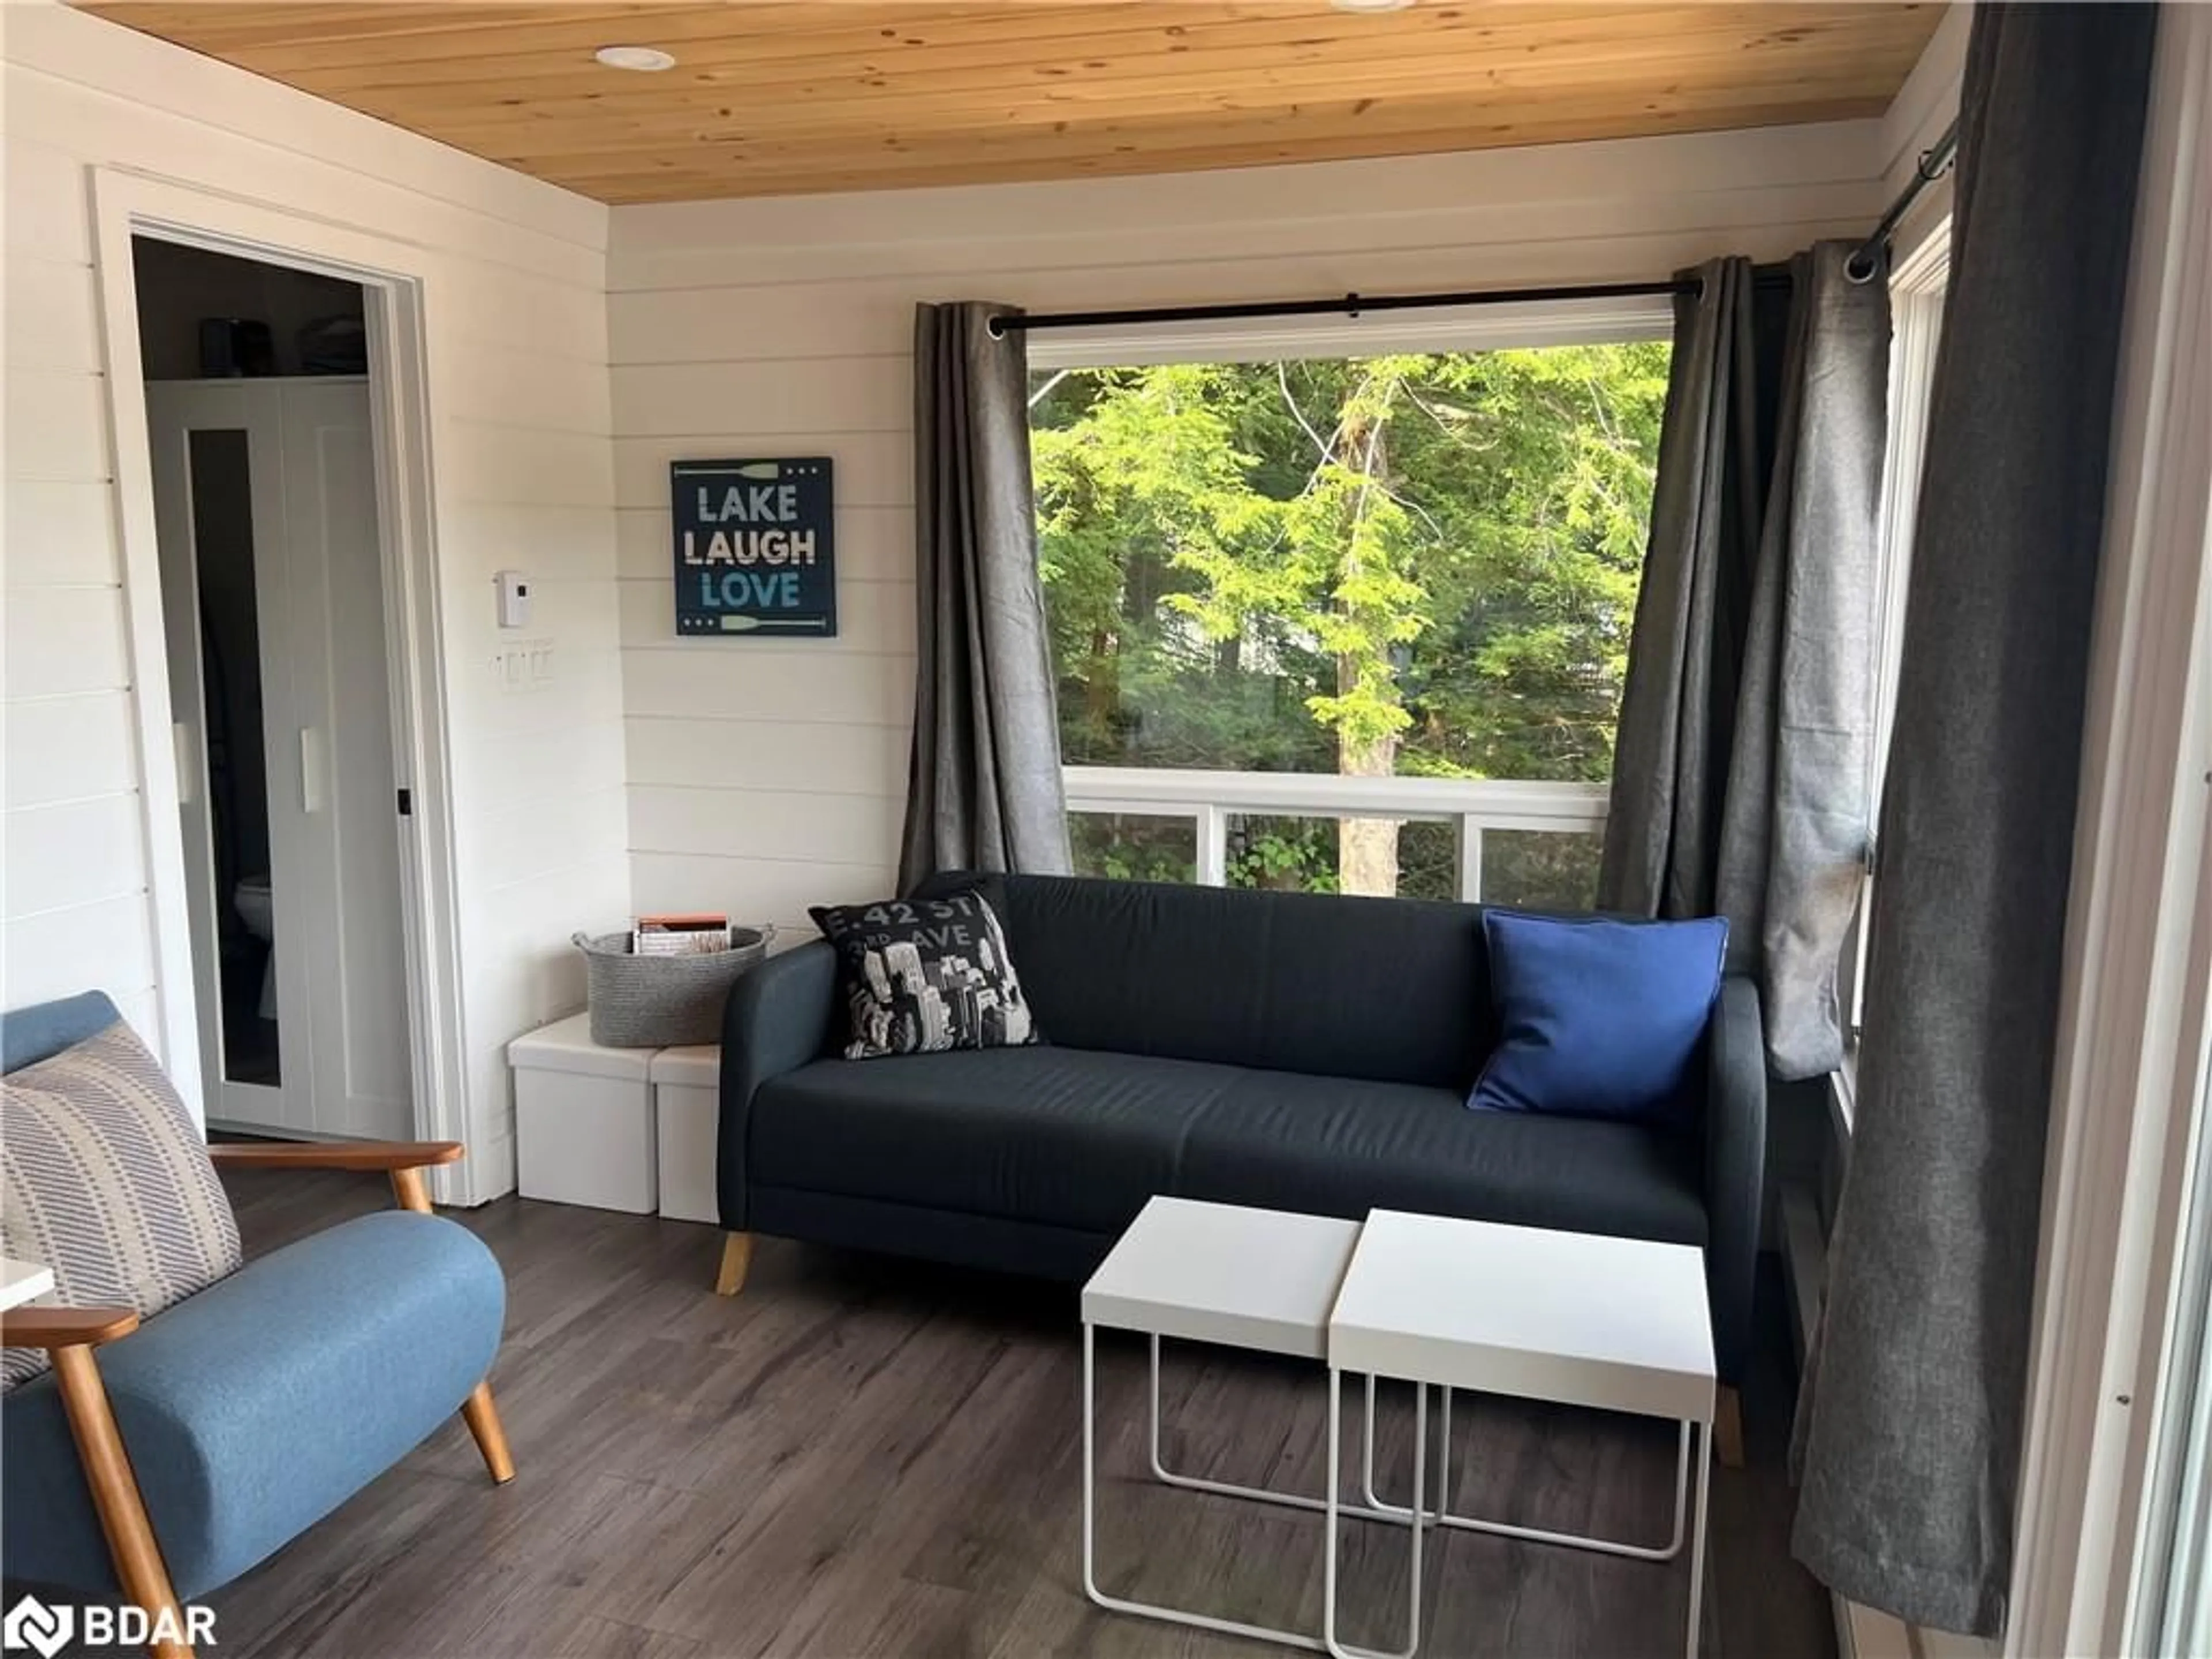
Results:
<point x="583" y="1118"/>
<point x="687" y="1100"/>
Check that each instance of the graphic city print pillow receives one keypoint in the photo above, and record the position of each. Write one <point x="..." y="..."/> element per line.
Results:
<point x="924" y="975"/>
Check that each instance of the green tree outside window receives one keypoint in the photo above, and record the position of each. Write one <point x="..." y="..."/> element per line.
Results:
<point x="1420" y="565"/>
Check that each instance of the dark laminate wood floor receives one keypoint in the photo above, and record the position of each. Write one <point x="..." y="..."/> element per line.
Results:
<point x="860" y="1457"/>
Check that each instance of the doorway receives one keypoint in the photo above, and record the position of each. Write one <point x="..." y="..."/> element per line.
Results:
<point x="259" y="395"/>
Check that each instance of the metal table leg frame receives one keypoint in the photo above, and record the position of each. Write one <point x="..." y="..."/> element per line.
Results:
<point x="1698" y="1534"/>
<point x="1290" y="1500"/>
<point x="1337" y="1648"/>
<point x="1440" y="1514"/>
<point x="1146" y="1609"/>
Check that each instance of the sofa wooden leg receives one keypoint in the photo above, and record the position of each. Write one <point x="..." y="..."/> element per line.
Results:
<point x="131" y="1545"/>
<point x="483" y="1418"/>
<point x="737" y="1257"/>
<point x="1727" y="1428"/>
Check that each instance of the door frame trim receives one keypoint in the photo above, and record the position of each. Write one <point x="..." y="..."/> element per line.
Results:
<point x="397" y="278"/>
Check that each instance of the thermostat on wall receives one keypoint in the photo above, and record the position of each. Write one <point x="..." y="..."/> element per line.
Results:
<point x="514" y="598"/>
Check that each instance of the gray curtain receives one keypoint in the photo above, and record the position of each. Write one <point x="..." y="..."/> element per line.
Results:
<point x="1910" y="1420"/>
<point x="1740" y="771"/>
<point x="983" y="788"/>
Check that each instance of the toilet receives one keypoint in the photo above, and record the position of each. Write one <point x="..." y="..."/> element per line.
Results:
<point x="257" y="908"/>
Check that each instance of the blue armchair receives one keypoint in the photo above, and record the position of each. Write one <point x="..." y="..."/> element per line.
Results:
<point x="200" y="1441"/>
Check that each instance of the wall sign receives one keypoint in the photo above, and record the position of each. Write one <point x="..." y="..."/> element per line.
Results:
<point x="754" y="548"/>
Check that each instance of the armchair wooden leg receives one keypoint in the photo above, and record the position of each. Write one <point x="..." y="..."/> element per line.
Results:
<point x="477" y="1410"/>
<point x="130" y="1541"/>
<point x="1727" y="1428"/>
<point x="737" y="1257"/>
<point x="407" y="1187"/>
<point x="483" y="1418"/>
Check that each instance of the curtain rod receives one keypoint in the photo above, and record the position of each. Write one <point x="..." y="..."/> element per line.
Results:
<point x="1935" y="162"/>
<point x="1349" y="305"/>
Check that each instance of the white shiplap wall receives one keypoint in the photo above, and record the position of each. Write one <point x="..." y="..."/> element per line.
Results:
<point x="766" y="775"/>
<point x="521" y="457"/>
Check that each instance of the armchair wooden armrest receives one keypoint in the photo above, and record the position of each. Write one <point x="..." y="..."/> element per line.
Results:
<point x="65" y="1328"/>
<point x="70" y="1335"/>
<point x="402" y="1160"/>
<point x="379" y="1155"/>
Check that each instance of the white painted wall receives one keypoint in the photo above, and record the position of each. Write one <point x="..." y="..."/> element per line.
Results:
<point x="520" y="428"/>
<point x="768" y="775"/>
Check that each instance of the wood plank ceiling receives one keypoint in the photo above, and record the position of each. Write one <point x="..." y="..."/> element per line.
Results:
<point x="773" y="97"/>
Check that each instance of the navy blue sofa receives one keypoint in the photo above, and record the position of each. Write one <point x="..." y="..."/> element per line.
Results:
<point x="1297" y="1051"/>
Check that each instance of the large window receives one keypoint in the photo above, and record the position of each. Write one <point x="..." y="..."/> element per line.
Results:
<point x="1352" y="625"/>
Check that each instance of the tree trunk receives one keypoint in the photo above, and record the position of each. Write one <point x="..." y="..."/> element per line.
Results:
<point x="1366" y="849"/>
<point x="1102" y="692"/>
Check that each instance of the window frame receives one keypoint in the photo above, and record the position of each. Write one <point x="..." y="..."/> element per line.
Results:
<point x="1265" y="339"/>
<point x="1208" y="798"/>
<point x="1918" y="284"/>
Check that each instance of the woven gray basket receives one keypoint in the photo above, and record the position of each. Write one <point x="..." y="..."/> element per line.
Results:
<point x="664" y="1002"/>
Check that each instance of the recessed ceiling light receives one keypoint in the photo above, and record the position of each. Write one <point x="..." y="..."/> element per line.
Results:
<point x="647" y="60"/>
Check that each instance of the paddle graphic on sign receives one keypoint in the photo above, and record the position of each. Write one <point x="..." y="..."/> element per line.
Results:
<point x="755" y="552"/>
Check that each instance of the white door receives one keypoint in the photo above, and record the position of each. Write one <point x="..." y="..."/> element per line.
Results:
<point x="268" y="489"/>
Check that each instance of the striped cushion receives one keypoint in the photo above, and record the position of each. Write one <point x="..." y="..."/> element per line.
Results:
<point x="104" y="1178"/>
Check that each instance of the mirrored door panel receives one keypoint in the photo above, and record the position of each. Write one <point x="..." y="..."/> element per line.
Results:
<point x="233" y="753"/>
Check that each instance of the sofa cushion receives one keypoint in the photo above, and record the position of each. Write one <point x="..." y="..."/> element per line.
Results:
<point x="1077" y="1138"/>
<point x="1080" y="1139"/>
<point x="1392" y="989"/>
<point x="1333" y="1146"/>
<point x="1599" y="1017"/>
<point x="104" y="1179"/>
<point x="258" y="1406"/>
<point x="922" y="976"/>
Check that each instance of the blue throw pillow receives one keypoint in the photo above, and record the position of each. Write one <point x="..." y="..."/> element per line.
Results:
<point x="1597" y="1018"/>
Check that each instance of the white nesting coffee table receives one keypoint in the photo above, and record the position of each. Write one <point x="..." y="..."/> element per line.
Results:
<point x="1613" y="1323"/>
<point x="1240" y="1278"/>
<point x="1617" y="1324"/>
<point x="22" y="1282"/>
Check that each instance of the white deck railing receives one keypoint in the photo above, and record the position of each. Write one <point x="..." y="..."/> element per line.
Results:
<point x="1210" y="800"/>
